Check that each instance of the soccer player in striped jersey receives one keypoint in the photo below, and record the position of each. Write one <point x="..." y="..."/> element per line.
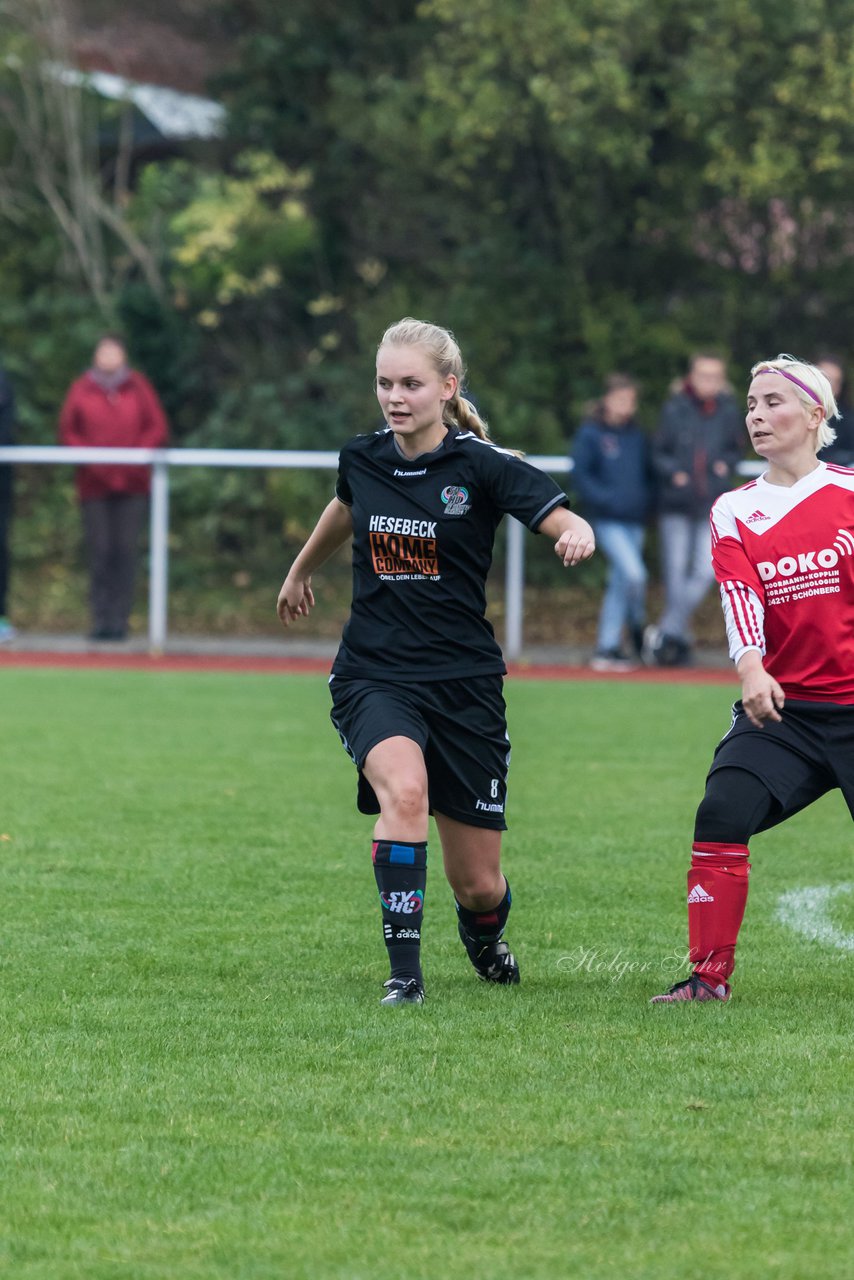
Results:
<point x="783" y="553"/>
<point x="417" y="682"/>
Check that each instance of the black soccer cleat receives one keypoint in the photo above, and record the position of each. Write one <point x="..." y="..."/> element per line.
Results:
<point x="493" y="962"/>
<point x="694" y="988"/>
<point x="403" y="991"/>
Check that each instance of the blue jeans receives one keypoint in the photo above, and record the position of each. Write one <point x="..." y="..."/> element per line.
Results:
<point x="686" y="557"/>
<point x="624" y="603"/>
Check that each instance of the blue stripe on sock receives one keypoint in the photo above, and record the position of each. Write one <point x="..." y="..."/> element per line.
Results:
<point x="402" y="853"/>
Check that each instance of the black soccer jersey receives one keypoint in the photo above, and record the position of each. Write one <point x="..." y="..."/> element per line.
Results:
<point x="423" y="533"/>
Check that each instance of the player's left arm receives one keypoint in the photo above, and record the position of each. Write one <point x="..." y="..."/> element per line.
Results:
<point x="523" y="491"/>
<point x="574" y="540"/>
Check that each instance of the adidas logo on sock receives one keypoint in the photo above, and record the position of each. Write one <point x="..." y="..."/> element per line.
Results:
<point x="698" y="894"/>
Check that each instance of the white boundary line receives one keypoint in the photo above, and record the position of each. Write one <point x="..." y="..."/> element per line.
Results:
<point x="806" y="911"/>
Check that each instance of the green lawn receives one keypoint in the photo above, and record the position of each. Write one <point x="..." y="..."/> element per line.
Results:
<point x="198" y="1082"/>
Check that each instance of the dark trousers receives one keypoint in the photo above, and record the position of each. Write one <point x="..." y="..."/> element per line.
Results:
<point x="112" y="526"/>
<point x="5" y="518"/>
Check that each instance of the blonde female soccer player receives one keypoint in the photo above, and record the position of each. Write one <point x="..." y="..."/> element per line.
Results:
<point x="783" y="551"/>
<point x="417" y="682"/>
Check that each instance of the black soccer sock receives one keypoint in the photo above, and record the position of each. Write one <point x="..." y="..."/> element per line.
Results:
<point x="400" y="867"/>
<point x="478" y="929"/>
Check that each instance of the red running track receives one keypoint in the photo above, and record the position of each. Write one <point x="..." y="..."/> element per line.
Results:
<point x="320" y="666"/>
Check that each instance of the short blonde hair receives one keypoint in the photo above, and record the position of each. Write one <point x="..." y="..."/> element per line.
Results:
<point x="812" y="388"/>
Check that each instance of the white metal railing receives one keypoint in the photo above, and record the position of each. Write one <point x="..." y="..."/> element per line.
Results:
<point x="160" y="461"/>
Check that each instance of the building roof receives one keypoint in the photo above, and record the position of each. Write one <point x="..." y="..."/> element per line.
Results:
<point x="173" y="115"/>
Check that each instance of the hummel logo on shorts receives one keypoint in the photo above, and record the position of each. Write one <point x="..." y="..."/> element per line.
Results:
<point x="698" y="894"/>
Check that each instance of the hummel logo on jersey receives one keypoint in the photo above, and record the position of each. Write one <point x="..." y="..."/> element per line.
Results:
<point x="757" y="515"/>
<point x="698" y="894"/>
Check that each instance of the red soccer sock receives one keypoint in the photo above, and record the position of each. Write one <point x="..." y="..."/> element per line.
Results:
<point x="717" y="896"/>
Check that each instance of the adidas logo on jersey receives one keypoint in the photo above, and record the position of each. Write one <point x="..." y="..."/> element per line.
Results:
<point x="757" y="515"/>
<point x="698" y="894"/>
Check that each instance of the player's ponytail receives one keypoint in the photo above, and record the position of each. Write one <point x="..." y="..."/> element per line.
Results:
<point x="812" y="388"/>
<point x="441" y="346"/>
<point x="460" y="412"/>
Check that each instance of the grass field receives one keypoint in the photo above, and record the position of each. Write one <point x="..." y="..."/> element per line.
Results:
<point x="197" y="1079"/>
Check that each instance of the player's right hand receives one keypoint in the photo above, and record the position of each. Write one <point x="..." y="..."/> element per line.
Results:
<point x="296" y="598"/>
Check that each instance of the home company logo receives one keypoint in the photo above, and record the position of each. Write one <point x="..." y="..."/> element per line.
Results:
<point x="757" y="515"/>
<point x="403" y="549"/>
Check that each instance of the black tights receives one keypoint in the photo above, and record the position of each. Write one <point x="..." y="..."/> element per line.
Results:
<point x="736" y="805"/>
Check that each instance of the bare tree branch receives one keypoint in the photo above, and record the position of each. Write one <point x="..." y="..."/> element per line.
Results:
<point x="50" y="116"/>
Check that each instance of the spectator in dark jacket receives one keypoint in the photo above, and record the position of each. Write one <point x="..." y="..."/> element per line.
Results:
<point x="112" y="406"/>
<point x="611" y="475"/>
<point x="695" y="453"/>
<point x="841" y="451"/>
<point x="7" y="428"/>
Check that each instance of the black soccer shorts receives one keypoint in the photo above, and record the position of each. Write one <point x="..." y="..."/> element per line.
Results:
<point x="460" y="726"/>
<point x="810" y="752"/>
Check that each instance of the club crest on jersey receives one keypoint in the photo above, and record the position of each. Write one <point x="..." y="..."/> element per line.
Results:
<point x="456" y="500"/>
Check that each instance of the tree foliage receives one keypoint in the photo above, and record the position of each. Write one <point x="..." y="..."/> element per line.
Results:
<point x="573" y="187"/>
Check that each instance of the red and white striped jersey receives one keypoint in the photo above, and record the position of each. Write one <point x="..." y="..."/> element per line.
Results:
<point x="784" y="558"/>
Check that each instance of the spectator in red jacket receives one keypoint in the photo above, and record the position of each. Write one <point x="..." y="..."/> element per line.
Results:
<point x="112" y="406"/>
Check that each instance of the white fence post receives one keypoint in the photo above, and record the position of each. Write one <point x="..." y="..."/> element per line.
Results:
<point x="158" y="580"/>
<point x="514" y="589"/>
